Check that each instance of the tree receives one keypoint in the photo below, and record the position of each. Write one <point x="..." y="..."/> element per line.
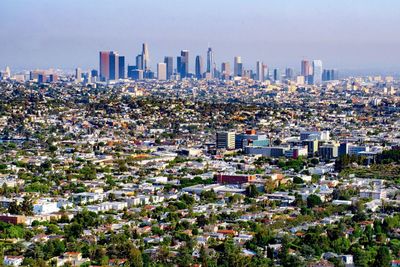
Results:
<point x="313" y="200"/>
<point x="252" y="191"/>
<point x="27" y="206"/>
<point x="135" y="257"/>
<point x="383" y="258"/>
<point x="185" y="257"/>
<point x="298" y="180"/>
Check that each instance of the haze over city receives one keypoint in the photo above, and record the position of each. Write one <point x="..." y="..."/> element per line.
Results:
<point x="360" y="35"/>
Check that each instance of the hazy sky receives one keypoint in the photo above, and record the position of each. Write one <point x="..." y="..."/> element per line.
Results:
<point x="347" y="34"/>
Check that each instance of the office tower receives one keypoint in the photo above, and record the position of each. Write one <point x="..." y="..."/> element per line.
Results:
<point x="237" y="66"/>
<point x="162" y="71"/>
<point x="134" y="73"/>
<point x="145" y="57"/>
<point x="130" y="70"/>
<point x="7" y="73"/>
<point x="121" y="67"/>
<point x="41" y="78"/>
<point x="210" y="62"/>
<point x="179" y="65"/>
<point x="148" y="74"/>
<point x="226" y="140"/>
<point x="306" y="68"/>
<point x="104" y="65"/>
<point x="225" y="71"/>
<point x="94" y="73"/>
<point x="199" y="67"/>
<point x="169" y="61"/>
<point x="289" y="73"/>
<point x="113" y="66"/>
<point x="317" y="72"/>
<point x="184" y="64"/>
<point x="78" y="75"/>
<point x="260" y="71"/>
<point x="139" y="62"/>
<point x="277" y="75"/>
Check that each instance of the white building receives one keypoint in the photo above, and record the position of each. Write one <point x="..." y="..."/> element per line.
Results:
<point x="45" y="207"/>
<point x="162" y="71"/>
<point x="13" y="260"/>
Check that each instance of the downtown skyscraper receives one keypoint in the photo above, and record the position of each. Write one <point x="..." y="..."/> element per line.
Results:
<point x="317" y="72"/>
<point x="169" y="61"/>
<point x="183" y="64"/>
<point x="112" y="66"/>
<point x="237" y="66"/>
<point x="210" y="62"/>
<point x="260" y="71"/>
<point x="145" y="57"/>
<point x="306" y="68"/>
<point x="199" y="67"/>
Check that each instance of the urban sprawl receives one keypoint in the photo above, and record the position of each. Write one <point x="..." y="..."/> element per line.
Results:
<point x="123" y="166"/>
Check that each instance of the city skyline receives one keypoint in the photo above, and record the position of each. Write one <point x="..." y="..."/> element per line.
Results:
<point x="333" y="31"/>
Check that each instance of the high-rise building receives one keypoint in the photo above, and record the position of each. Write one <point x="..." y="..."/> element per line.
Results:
<point x="237" y="66"/>
<point x="317" y="72"/>
<point x="110" y="65"/>
<point x="225" y="70"/>
<point x="145" y="57"/>
<point x="260" y="71"/>
<point x="121" y="67"/>
<point x="210" y="62"/>
<point x="199" y="67"/>
<point x="306" y="68"/>
<point x="162" y="71"/>
<point x="226" y="140"/>
<point x="139" y="62"/>
<point x="169" y="61"/>
<point x="277" y="75"/>
<point x="135" y="73"/>
<point x="114" y="58"/>
<point x="78" y="75"/>
<point x="179" y="65"/>
<point x="289" y="73"/>
<point x="184" y="64"/>
<point x="105" y="65"/>
<point x="329" y="75"/>
<point x="94" y="73"/>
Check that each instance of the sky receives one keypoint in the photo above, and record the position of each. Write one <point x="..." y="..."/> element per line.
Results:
<point x="344" y="34"/>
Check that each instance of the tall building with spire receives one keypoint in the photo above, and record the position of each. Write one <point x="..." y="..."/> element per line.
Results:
<point x="145" y="57"/>
<point x="210" y="62"/>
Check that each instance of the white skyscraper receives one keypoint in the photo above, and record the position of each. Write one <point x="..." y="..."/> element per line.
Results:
<point x="260" y="71"/>
<point x="237" y="67"/>
<point x="317" y="72"/>
<point x="162" y="71"/>
<point x="145" y="57"/>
